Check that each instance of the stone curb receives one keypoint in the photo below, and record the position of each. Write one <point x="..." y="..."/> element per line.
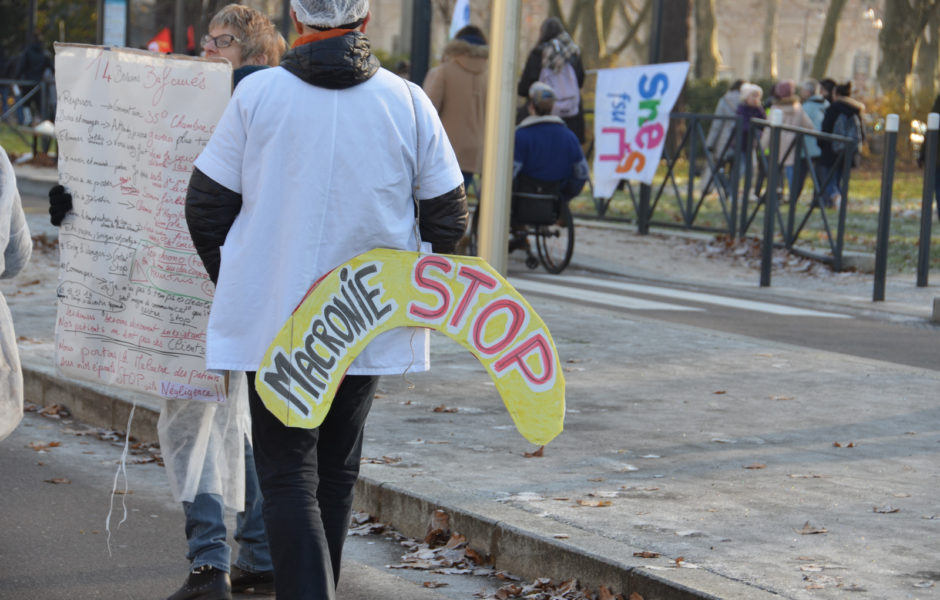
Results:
<point x="91" y="404"/>
<point x="530" y="546"/>
<point x="517" y="541"/>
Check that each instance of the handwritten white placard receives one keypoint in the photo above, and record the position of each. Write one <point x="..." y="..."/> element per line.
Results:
<point x="134" y="296"/>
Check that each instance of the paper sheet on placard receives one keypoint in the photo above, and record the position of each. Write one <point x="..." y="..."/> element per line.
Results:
<point x="134" y="296"/>
<point x="631" y="118"/>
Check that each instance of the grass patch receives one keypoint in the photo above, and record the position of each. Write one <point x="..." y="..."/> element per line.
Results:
<point x="861" y="217"/>
<point x="16" y="145"/>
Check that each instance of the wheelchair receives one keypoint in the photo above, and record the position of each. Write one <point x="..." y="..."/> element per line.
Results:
<point x="539" y="216"/>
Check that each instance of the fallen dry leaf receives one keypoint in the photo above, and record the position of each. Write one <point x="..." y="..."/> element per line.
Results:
<point x="886" y="509"/>
<point x="433" y="584"/>
<point x="475" y="556"/>
<point x="39" y="446"/>
<point x="58" y="480"/>
<point x="679" y="560"/>
<point x="595" y="503"/>
<point x="756" y="466"/>
<point x="718" y="392"/>
<point x="444" y="409"/>
<point x="385" y="460"/>
<point x="55" y="411"/>
<point x="635" y="596"/>
<point x="810" y="529"/>
<point x="841" y="445"/>
<point x="508" y="591"/>
<point x="646" y="554"/>
<point x="537" y="454"/>
<point x="604" y="594"/>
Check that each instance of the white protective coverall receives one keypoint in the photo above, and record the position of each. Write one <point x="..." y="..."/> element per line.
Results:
<point x="17" y="246"/>
<point x="203" y="445"/>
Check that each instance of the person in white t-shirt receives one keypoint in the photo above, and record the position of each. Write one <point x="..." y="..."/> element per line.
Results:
<point x="312" y="163"/>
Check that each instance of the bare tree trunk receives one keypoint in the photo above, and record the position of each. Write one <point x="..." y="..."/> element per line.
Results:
<point x="928" y="52"/>
<point x="675" y="38"/>
<point x="706" y="45"/>
<point x="827" y="41"/>
<point x="769" y="50"/>
<point x="903" y="24"/>
<point x="590" y="23"/>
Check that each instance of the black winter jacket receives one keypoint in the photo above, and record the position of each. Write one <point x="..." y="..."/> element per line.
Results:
<point x="335" y="63"/>
<point x="842" y="106"/>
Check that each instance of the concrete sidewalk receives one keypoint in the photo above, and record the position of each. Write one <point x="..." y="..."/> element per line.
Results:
<point x="753" y="469"/>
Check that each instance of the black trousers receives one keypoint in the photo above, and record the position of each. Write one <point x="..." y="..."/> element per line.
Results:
<point x="307" y="478"/>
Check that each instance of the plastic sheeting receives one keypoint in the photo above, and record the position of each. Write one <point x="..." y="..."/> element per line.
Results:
<point x="203" y="445"/>
<point x="15" y="249"/>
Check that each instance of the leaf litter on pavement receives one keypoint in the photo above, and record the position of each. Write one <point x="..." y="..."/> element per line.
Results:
<point x="447" y="552"/>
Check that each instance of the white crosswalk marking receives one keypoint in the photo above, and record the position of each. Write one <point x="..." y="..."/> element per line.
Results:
<point x="562" y="291"/>
<point x="577" y="282"/>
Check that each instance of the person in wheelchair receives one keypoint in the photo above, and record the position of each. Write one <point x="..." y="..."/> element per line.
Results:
<point x="547" y="160"/>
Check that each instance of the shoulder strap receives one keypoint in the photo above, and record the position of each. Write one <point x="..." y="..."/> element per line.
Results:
<point x="414" y="178"/>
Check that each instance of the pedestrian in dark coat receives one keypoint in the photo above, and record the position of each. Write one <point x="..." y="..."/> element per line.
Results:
<point x="32" y="65"/>
<point x="554" y="49"/>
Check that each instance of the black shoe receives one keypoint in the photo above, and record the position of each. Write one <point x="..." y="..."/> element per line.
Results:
<point x="259" y="583"/>
<point x="205" y="583"/>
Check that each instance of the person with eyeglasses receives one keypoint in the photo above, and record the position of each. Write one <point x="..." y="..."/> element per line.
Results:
<point x="194" y="433"/>
<point x="248" y="40"/>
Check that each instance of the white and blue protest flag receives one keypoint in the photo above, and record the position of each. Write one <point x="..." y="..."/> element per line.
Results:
<point x="461" y="17"/>
<point x="631" y="118"/>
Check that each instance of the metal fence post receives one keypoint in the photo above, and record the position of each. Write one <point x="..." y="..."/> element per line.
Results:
<point x="738" y="206"/>
<point x="770" y="203"/>
<point x="693" y="126"/>
<point x="655" y="47"/>
<point x="927" y="200"/>
<point x="884" y="208"/>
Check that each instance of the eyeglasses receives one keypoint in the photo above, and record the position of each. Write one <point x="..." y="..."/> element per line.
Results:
<point x="220" y="41"/>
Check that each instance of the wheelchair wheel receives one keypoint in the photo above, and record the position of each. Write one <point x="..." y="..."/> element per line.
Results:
<point x="555" y="242"/>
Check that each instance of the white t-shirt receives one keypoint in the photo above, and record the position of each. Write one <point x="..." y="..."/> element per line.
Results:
<point x="324" y="175"/>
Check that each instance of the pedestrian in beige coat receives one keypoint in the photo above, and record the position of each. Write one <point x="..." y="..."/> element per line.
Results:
<point x="788" y="102"/>
<point x="457" y="87"/>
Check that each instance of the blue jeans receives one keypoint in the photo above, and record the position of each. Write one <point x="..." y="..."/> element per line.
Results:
<point x="832" y="188"/>
<point x="205" y="528"/>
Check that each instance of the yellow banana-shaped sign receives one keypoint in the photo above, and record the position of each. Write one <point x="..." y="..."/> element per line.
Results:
<point x="460" y="296"/>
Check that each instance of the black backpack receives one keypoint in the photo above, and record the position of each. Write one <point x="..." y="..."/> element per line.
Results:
<point x="850" y="126"/>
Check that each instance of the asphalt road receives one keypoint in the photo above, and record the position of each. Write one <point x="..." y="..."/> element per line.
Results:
<point x="55" y="540"/>
<point x="910" y="342"/>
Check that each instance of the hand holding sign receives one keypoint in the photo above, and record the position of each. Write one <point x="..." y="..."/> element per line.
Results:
<point x="462" y="297"/>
